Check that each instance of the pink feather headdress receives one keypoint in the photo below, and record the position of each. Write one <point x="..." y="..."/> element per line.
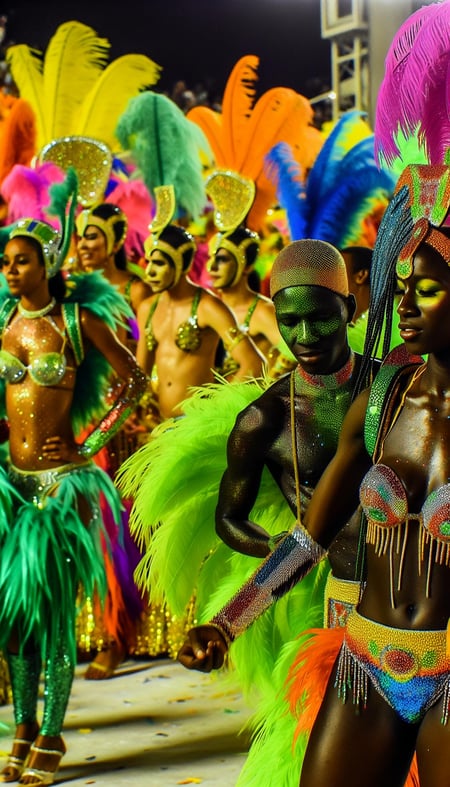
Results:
<point x="414" y="98"/>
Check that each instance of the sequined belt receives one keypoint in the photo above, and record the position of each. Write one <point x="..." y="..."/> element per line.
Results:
<point x="34" y="485"/>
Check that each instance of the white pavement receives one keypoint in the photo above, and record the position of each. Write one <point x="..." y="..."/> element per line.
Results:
<point x="153" y="724"/>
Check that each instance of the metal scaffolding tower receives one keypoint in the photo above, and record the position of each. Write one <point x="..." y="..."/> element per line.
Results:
<point x="345" y="24"/>
<point x="360" y="33"/>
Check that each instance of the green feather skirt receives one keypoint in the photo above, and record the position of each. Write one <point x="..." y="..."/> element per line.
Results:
<point x="48" y="552"/>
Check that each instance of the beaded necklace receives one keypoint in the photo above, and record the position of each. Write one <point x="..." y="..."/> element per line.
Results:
<point x="328" y="381"/>
<point x="33" y="315"/>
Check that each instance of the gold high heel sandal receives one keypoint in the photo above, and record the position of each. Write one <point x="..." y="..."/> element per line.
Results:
<point x="41" y="776"/>
<point x="15" y="763"/>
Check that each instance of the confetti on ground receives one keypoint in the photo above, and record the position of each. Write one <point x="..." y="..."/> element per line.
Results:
<point x="85" y="730"/>
<point x="191" y="780"/>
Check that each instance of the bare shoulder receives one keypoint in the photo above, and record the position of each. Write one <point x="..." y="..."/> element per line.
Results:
<point x="265" y="304"/>
<point x="213" y="311"/>
<point x="145" y="306"/>
<point x="268" y="412"/>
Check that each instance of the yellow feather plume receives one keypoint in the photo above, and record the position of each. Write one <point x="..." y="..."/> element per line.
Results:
<point x="72" y="88"/>
<point x="74" y="60"/>
<point x="26" y="70"/>
<point x="108" y="98"/>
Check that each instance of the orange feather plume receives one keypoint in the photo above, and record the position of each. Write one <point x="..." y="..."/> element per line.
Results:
<point x="243" y="133"/>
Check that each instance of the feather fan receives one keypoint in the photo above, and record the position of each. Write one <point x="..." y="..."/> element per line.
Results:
<point x="164" y="147"/>
<point x="277" y="116"/>
<point x="180" y="466"/>
<point x="414" y="95"/>
<point x="26" y="66"/>
<point x="26" y="191"/>
<point x="324" y="174"/>
<point x="210" y="122"/>
<point x="17" y="137"/>
<point x="237" y="105"/>
<point x="247" y="129"/>
<point x="284" y="170"/>
<point x="72" y="88"/>
<point x="74" y="59"/>
<point x="121" y="80"/>
<point x="347" y="179"/>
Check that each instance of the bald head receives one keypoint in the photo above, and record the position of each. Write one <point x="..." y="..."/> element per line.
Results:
<point x="311" y="263"/>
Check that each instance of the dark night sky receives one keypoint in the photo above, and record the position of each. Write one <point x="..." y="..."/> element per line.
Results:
<point x="195" y="40"/>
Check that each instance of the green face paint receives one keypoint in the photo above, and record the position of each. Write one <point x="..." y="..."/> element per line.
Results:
<point x="313" y="323"/>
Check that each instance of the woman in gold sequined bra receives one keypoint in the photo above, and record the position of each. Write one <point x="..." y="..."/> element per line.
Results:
<point x="233" y="256"/>
<point x="58" y="346"/>
<point x="181" y="324"/>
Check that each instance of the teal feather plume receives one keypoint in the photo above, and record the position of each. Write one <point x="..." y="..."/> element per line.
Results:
<point x="63" y="203"/>
<point x="165" y="147"/>
<point x="94" y="292"/>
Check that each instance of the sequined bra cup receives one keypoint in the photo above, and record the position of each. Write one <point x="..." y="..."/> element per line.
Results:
<point x="188" y="335"/>
<point x="384" y="502"/>
<point x="47" y="369"/>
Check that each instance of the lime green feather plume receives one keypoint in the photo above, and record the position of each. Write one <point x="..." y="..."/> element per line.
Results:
<point x="174" y="482"/>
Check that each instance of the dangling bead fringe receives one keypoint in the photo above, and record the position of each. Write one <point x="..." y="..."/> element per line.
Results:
<point x="350" y="677"/>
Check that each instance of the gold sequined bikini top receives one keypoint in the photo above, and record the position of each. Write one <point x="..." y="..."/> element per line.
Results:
<point x="188" y="335"/>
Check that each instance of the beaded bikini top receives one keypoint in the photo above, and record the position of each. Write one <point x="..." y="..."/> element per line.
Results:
<point x="188" y="334"/>
<point x="384" y="502"/>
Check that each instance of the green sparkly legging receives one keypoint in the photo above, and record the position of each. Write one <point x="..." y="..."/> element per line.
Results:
<point x="25" y="669"/>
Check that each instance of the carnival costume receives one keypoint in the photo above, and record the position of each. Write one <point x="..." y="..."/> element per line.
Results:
<point x="47" y="549"/>
<point x="237" y="183"/>
<point x="75" y="97"/>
